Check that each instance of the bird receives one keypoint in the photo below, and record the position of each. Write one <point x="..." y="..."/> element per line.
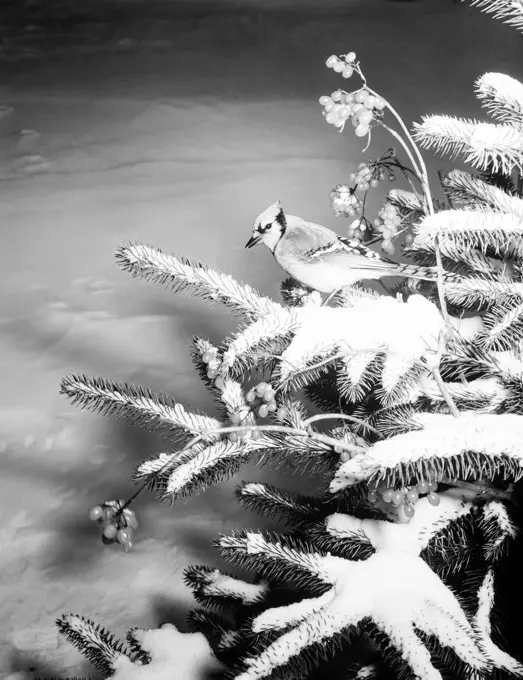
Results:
<point x="321" y="259"/>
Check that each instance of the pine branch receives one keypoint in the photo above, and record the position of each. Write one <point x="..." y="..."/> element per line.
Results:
<point x="500" y="234"/>
<point x="400" y="376"/>
<point x="199" y="346"/>
<point x="473" y="446"/>
<point x="475" y="293"/>
<point x="452" y="548"/>
<point x="463" y="261"/>
<point x="502" y="96"/>
<point x="279" y="324"/>
<point x="482" y="145"/>
<point x="218" y="631"/>
<point x="295" y="295"/>
<point x="98" y="646"/>
<point x="478" y="195"/>
<point x="214" y="588"/>
<point x="135" y="645"/>
<point x="193" y="472"/>
<point x="406" y="201"/>
<point x="486" y="596"/>
<point x="498" y="530"/>
<point x="282" y="558"/>
<point x="296" y="510"/>
<point x="180" y="274"/>
<point x="509" y="11"/>
<point x="138" y="405"/>
<point x="503" y="324"/>
<point x="359" y="373"/>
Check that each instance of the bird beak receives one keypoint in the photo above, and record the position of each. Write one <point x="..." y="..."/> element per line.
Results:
<point x="252" y="241"/>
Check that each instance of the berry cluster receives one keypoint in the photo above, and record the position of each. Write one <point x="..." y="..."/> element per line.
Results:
<point x="407" y="497"/>
<point x="358" y="229"/>
<point x="344" y="202"/>
<point x="344" y="65"/>
<point x="117" y="521"/>
<point x="361" y="107"/>
<point x="262" y="398"/>
<point x="387" y="224"/>
<point x="210" y="358"/>
<point x="370" y="175"/>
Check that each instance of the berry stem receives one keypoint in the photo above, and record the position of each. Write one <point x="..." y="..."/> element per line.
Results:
<point x="421" y="168"/>
<point x="400" y="139"/>
<point x="135" y="495"/>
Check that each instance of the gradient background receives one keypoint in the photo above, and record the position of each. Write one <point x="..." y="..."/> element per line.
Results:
<point x="174" y="124"/>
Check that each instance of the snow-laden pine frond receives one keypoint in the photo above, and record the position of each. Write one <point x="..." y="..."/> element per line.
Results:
<point x="193" y="472"/>
<point x="483" y="625"/>
<point x="394" y="589"/>
<point x="359" y="373"/>
<point x="478" y="195"/>
<point x="280" y="323"/>
<point x="260" y="359"/>
<point x="295" y="295"/>
<point x="482" y="145"/>
<point x="451" y="549"/>
<point x="293" y="509"/>
<point x="498" y="530"/>
<point x="157" y="468"/>
<point x="509" y="11"/>
<point x="199" y="346"/>
<point x="503" y="324"/>
<point x="474" y="293"/>
<point x="138" y="406"/>
<point x="500" y="233"/>
<point x="382" y="325"/>
<point x="406" y="201"/>
<point x="502" y="96"/>
<point x="98" y="646"/>
<point x="473" y="445"/>
<point x="400" y="376"/>
<point x="233" y="397"/>
<point x="397" y="420"/>
<point x="180" y="274"/>
<point x="351" y="295"/>
<point x="483" y="395"/>
<point x="277" y="558"/>
<point x="411" y="537"/>
<point x="462" y="260"/>
<point x="216" y="588"/>
<point x="217" y="629"/>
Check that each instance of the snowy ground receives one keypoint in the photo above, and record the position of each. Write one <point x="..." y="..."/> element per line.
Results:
<point x="175" y="128"/>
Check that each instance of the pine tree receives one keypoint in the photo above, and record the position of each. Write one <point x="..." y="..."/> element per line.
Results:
<point x="408" y="565"/>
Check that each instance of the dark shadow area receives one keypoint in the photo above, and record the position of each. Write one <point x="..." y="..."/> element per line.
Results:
<point x="170" y="610"/>
<point x="37" y="669"/>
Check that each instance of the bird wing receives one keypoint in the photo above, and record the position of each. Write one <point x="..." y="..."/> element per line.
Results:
<point x="312" y="242"/>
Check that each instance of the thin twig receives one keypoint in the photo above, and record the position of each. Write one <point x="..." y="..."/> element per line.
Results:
<point x="483" y="490"/>
<point x="243" y="429"/>
<point x="434" y="369"/>
<point x="310" y="434"/>
<point x="405" y="148"/>
<point x="342" y="416"/>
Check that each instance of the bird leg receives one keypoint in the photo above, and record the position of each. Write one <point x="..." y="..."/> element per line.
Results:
<point x="330" y="296"/>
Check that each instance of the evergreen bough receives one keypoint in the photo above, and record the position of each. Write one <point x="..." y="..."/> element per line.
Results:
<point x="407" y="566"/>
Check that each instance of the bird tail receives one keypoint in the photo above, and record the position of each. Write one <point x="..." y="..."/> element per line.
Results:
<point x="414" y="271"/>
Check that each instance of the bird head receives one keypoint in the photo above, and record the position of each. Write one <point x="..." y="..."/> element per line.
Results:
<point x="268" y="227"/>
